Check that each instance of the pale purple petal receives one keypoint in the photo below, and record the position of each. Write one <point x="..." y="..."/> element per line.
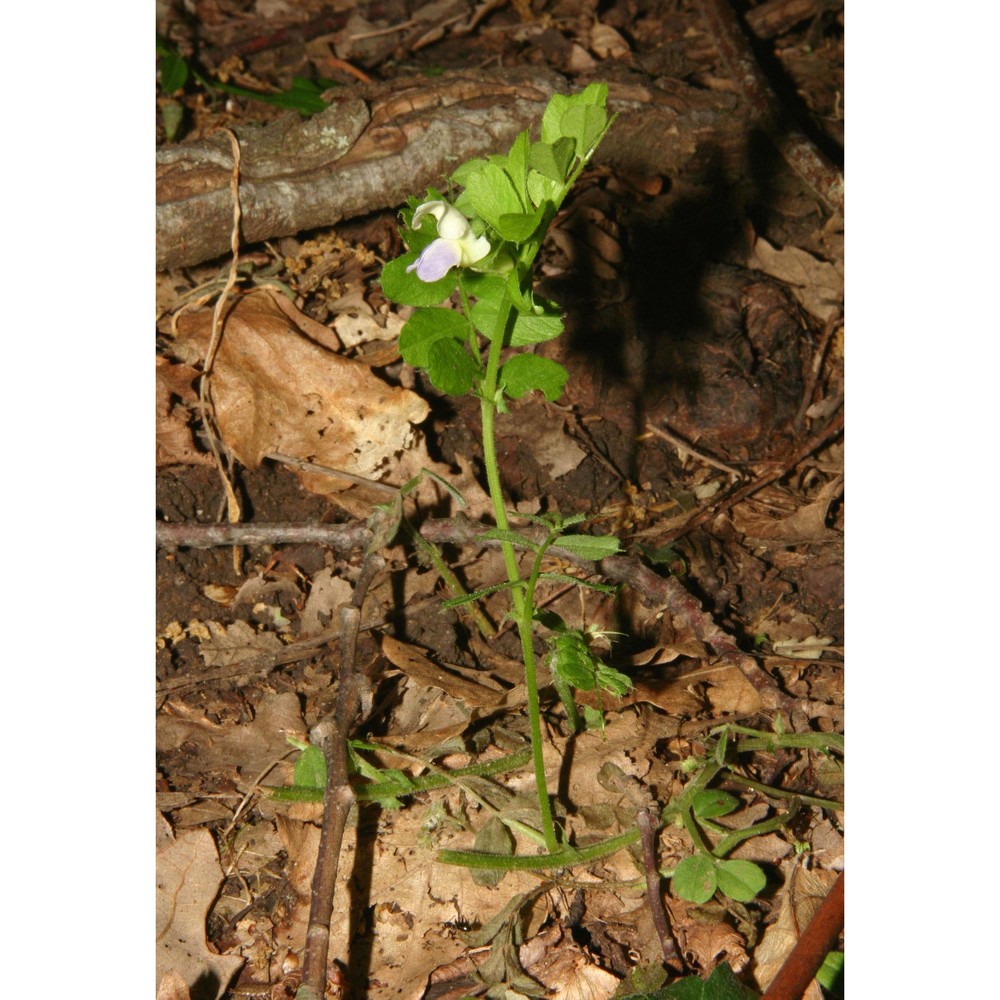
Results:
<point x="437" y="259"/>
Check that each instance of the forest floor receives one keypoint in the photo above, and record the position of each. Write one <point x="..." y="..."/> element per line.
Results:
<point x="702" y="424"/>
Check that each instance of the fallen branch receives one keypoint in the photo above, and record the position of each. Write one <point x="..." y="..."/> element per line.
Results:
<point x="341" y="537"/>
<point x="376" y="145"/>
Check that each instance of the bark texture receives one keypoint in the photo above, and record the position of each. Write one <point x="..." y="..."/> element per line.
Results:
<point x="376" y="145"/>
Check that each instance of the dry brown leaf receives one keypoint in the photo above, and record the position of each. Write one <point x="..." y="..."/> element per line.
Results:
<point x="794" y="634"/>
<point x="729" y="691"/>
<point x="360" y="328"/>
<point x="230" y="644"/>
<point x="174" y="440"/>
<point x="768" y="849"/>
<point x="706" y="942"/>
<point x="565" y="968"/>
<point x="816" y="284"/>
<point x="248" y="748"/>
<point x="420" y="669"/>
<point x="807" y="524"/>
<point x="173" y="987"/>
<point x="276" y="391"/>
<point x="188" y="876"/>
<point x="668" y="652"/>
<point x="326" y="593"/>
<point x="804" y="892"/>
<point x="556" y="452"/>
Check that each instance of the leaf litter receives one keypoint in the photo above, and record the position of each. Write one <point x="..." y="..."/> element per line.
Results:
<point x="317" y="381"/>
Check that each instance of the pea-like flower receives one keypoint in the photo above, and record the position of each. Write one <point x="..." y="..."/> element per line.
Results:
<point x="456" y="245"/>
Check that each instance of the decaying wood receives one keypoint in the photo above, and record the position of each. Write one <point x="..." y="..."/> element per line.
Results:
<point x="377" y="145"/>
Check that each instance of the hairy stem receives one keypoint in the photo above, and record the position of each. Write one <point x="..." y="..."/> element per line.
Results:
<point x="520" y="598"/>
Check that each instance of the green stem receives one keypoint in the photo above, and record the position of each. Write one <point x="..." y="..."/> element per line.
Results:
<point x="782" y="793"/>
<point x="520" y="599"/>
<point x="564" y="858"/>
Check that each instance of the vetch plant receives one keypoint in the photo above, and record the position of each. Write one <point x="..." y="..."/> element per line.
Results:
<point x="482" y="245"/>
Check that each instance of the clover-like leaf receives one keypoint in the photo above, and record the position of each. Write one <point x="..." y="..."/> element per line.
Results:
<point x="518" y="226"/>
<point x="552" y="117"/>
<point x="517" y="165"/>
<point x="525" y="373"/>
<point x="584" y="123"/>
<point x="542" y="190"/>
<point x="741" y="880"/>
<point x="533" y="327"/>
<point x="695" y="879"/>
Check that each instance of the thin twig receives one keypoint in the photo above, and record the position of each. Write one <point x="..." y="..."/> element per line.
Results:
<point x="341" y="537"/>
<point x="683" y="447"/>
<point x="667" y="944"/>
<point x="331" y="735"/>
<point x="813" y="444"/>
<point x="325" y="470"/>
<point x="831" y="327"/>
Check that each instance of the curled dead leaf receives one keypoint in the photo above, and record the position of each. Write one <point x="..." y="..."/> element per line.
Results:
<point x="412" y="662"/>
<point x="275" y="390"/>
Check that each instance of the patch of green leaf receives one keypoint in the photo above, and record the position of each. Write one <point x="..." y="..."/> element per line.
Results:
<point x="552" y="159"/>
<point x="741" y="880"/>
<point x="713" y="802"/>
<point x="424" y="329"/>
<point x="695" y="878"/>
<point x="594" y="547"/>
<point x="310" y="769"/>
<point x="451" y="368"/>
<point x="647" y="984"/>
<point x="526" y="373"/>
<point x="584" y="124"/>
<point x="542" y="323"/>
<point x="517" y="165"/>
<point x="493" y="196"/>
<point x="572" y="662"/>
<point x="831" y="974"/>
<point x="174" y="70"/>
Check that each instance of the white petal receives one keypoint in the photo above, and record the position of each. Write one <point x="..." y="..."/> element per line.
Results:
<point x="435" y="208"/>
<point x="452" y="225"/>
<point x="437" y="259"/>
<point x="474" y="248"/>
